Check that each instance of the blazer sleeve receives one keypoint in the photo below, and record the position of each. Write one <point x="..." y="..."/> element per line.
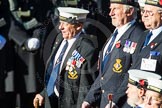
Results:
<point x="89" y="70"/>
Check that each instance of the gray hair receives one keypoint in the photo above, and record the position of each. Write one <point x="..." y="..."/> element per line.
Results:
<point x="128" y="7"/>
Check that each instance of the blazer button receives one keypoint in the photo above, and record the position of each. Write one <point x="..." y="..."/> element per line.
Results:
<point x="102" y="91"/>
<point x="102" y="78"/>
<point x="54" y="47"/>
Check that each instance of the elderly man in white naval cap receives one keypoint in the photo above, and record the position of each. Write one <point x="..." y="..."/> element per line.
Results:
<point x="137" y="84"/>
<point x="72" y="66"/>
<point x="153" y="95"/>
<point x="137" y="87"/>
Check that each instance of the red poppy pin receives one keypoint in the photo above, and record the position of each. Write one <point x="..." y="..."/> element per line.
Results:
<point x="118" y="44"/>
<point x="142" y="82"/>
<point x="74" y="62"/>
<point x="160" y="2"/>
<point x="152" y="45"/>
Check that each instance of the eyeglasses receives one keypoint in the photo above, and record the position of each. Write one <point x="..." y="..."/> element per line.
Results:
<point x="150" y="13"/>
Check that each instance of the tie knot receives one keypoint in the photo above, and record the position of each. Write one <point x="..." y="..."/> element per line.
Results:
<point x="148" y="36"/>
<point x="62" y="52"/>
<point x="66" y="42"/>
<point x="115" y="32"/>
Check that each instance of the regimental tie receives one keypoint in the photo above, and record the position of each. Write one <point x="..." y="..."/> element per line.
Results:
<point x="148" y="36"/>
<point x="55" y="71"/>
<point x="107" y="53"/>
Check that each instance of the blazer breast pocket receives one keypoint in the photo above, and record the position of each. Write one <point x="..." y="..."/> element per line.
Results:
<point x="74" y="74"/>
<point x="121" y="64"/>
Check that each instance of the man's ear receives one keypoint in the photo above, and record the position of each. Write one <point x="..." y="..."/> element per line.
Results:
<point x="141" y="92"/>
<point x="161" y="15"/>
<point x="79" y="26"/>
<point x="129" y="11"/>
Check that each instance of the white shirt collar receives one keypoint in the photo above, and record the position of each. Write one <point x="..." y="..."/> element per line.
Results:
<point x="125" y="27"/>
<point x="157" y="31"/>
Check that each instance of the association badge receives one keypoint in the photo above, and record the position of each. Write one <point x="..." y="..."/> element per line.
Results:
<point x="117" y="66"/>
<point x="73" y="74"/>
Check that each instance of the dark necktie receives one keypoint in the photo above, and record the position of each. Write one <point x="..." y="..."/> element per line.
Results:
<point x="107" y="53"/>
<point x="55" y="71"/>
<point x="148" y="36"/>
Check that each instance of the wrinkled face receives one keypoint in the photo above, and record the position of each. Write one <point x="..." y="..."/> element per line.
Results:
<point x="118" y="14"/>
<point x="69" y="30"/>
<point x="132" y="95"/>
<point x="151" y="17"/>
<point x="152" y="99"/>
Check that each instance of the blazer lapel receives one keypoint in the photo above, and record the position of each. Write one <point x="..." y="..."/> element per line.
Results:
<point x="141" y="41"/>
<point x="75" y="45"/>
<point x="55" y="48"/>
<point x="149" y="47"/>
<point x="156" y="42"/>
<point x="145" y="53"/>
<point x="101" y="54"/>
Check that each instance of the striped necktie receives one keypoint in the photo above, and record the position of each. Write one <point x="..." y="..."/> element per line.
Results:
<point x="55" y="71"/>
<point x="107" y="53"/>
<point x="148" y="36"/>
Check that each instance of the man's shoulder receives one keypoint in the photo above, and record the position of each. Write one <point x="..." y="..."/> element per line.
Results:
<point x="89" y="40"/>
<point x="136" y="31"/>
<point x="138" y="26"/>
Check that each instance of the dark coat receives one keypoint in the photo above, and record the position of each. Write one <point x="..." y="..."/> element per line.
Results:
<point x="154" y="45"/>
<point x="27" y="73"/>
<point x="6" y="53"/>
<point x="73" y="91"/>
<point x="47" y="41"/>
<point x="115" y="77"/>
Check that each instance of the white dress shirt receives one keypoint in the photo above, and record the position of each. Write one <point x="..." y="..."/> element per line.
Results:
<point x="155" y="32"/>
<point x="70" y="43"/>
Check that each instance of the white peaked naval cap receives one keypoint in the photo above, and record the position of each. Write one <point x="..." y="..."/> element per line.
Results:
<point x="154" y="85"/>
<point x="136" y="75"/>
<point x="72" y="15"/>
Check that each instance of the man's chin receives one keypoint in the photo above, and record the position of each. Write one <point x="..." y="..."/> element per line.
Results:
<point x="147" y="26"/>
<point x="115" y="24"/>
<point x="130" y="102"/>
<point x="65" y="36"/>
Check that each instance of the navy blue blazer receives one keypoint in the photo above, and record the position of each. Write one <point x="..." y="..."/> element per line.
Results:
<point x="156" y="46"/>
<point x="114" y="78"/>
<point x="73" y="90"/>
